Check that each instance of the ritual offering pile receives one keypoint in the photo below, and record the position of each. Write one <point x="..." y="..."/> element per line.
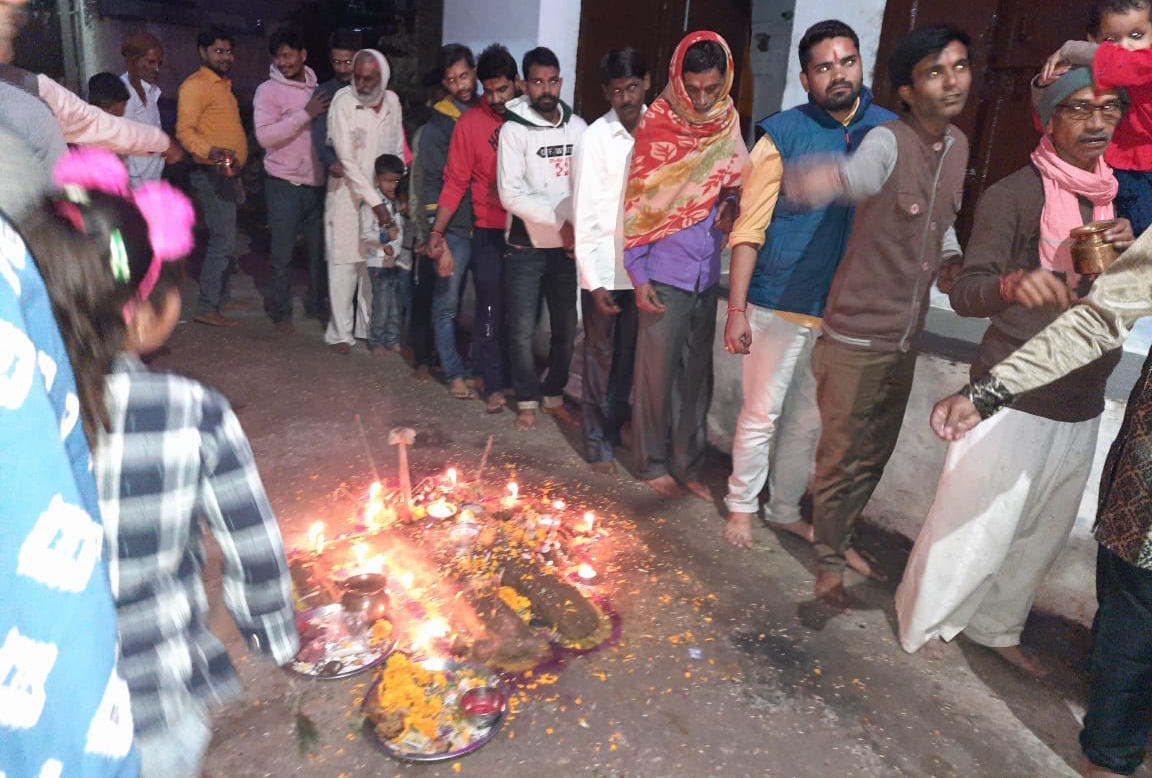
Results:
<point x="452" y="588"/>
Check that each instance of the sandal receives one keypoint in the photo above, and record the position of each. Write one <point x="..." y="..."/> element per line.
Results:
<point x="496" y="402"/>
<point x="461" y="391"/>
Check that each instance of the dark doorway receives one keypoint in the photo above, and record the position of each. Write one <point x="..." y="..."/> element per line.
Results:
<point x="654" y="27"/>
<point x="1010" y="41"/>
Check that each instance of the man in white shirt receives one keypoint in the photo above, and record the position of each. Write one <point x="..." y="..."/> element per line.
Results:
<point x="600" y="171"/>
<point x="144" y="55"/>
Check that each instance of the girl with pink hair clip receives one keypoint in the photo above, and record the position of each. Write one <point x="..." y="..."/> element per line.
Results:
<point x="168" y="454"/>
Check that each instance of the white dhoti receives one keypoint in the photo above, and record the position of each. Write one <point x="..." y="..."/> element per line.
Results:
<point x="1005" y="504"/>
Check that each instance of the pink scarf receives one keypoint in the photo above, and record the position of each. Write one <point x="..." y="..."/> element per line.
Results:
<point x="1061" y="214"/>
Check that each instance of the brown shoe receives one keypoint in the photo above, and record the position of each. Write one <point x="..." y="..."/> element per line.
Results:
<point x="343" y="349"/>
<point x="213" y="319"/>
<point x="285" y="327"/>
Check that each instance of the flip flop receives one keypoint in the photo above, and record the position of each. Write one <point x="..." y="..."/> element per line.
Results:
<point x="461" y="391"/>
<point x="496" y="403"/>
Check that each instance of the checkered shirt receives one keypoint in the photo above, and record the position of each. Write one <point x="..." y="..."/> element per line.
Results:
<point x="177" y="456"/>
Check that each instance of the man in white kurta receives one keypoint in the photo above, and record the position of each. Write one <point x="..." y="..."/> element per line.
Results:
<point x="364" y="121"/>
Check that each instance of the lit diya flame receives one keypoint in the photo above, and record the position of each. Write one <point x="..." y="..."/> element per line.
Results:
<point x="428" y="633"/>
<point x="374" y="490"/>
<point x="441" y="509"/>
<point x="559" y="505"/>
<point x="361" y="551"/>
<point x="316" y="536"/>
<point x="451" y="477"/>
<point x="589" y="523"/>
<point x="513" y="493"/>
<point x="586" y="572"/>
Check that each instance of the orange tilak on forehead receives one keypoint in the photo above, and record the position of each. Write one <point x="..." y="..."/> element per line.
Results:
<point x="837" y="54"/>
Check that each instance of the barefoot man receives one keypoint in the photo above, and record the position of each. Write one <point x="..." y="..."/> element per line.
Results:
<point x="907" y="179"/>
<point x="1116" y="722"/>
<point x="681" y="198"/>
<point x="1010" y="492"/>
<point x="783" y="260"/>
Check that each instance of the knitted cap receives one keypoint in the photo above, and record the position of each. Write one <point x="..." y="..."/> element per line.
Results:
<point x="1045" y="99"/>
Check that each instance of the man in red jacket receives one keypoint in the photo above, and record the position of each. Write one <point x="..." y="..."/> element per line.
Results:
<point x="472" y="166"/>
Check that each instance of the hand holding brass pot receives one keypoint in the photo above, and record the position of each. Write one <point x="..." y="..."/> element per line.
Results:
<point x="1092" y="253"/>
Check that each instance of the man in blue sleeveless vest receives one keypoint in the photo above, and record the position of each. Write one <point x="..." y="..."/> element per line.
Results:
<point x="783" y="259"/>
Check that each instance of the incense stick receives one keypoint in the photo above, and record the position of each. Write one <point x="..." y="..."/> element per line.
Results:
<point x="484" y="459"/>
<point x="367" y="448"/>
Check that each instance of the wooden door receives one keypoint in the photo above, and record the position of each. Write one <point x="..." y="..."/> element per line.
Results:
<point x="1010" y="40"/>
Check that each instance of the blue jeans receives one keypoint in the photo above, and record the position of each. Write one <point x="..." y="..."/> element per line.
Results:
<point x="220" y="219"/>
<point x="445" y="304"/>
<point x="1119" y="713"/>
<point x="532" y="275"/>
<point x="390" y="286"/>
<point x="291" y="209"/>
<point x="1134" y="198"/>
<point x="488" y="344"/>
<point x="609" y="351"/>
<point x="420" y="327"/>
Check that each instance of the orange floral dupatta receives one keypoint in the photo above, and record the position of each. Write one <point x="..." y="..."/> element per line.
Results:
<point x="682" y="159"/>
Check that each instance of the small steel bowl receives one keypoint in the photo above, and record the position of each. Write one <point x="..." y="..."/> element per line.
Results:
<point x="483" y="706"/>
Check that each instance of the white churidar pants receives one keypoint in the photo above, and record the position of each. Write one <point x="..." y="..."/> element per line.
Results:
<point x="779" y="405"/>
<point x="348" y="285"/>
<point x="1005" y="504"/>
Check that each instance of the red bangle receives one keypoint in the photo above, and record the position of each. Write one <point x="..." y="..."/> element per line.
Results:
<point x="738" y="308"/>
<point x="1008" y="284"/>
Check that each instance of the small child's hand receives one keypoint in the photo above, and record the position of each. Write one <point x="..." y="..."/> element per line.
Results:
<point x="393" y="232"/>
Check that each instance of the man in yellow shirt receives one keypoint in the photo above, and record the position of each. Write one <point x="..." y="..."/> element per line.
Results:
<point x="208" y="126"/>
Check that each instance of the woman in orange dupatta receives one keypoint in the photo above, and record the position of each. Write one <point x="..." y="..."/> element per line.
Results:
<point x="679" y="203"/>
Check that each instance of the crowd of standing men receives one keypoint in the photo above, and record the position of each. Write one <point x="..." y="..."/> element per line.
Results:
<point x="840" y="221"/>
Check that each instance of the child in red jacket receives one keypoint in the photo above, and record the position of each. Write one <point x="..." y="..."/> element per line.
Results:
<point x="1117" y="50"/>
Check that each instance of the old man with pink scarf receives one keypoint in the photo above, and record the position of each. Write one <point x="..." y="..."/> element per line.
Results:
<point x="1010" y="490"/>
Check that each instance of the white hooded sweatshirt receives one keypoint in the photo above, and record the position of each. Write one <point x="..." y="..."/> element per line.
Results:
<point x="534" y="164"/>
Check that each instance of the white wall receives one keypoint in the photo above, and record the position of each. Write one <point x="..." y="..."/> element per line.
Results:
<point x="520" y="25"/>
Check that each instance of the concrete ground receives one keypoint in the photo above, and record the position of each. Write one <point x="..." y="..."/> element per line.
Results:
<point x="725" y="666"/>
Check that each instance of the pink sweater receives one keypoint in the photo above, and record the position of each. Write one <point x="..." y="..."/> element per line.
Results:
<point x="283" y="127"/>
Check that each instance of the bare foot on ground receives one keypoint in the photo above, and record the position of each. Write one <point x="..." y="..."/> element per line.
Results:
<point x="800" y="528"/>
<point x="526" y="420"/>
<point x="698" y="489"/>
<point x="1089" y="769"/>
<point x="1023" y="660"/>
<point x="605" y="468"/>
<point x="933" y="650"/>
<point x="496" y="402"/>
<point x="420" y="373"/>
<point x="738" y="530"/>
<point x="665" y="485"/>
<point x="864" y="565"/>
<point x="829" y="590"/>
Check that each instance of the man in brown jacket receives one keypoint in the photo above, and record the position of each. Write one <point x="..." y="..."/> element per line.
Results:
<point x="907" y="176"/>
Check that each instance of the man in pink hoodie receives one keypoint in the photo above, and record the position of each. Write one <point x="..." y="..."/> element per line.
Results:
<point x="283" y="109"/>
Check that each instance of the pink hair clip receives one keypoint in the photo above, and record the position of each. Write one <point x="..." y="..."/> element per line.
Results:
<point x="167" y="211"/>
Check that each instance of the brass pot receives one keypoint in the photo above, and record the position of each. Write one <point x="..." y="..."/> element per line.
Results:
<point x="365" y="595"/>
<point x="1091" y="253"/>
